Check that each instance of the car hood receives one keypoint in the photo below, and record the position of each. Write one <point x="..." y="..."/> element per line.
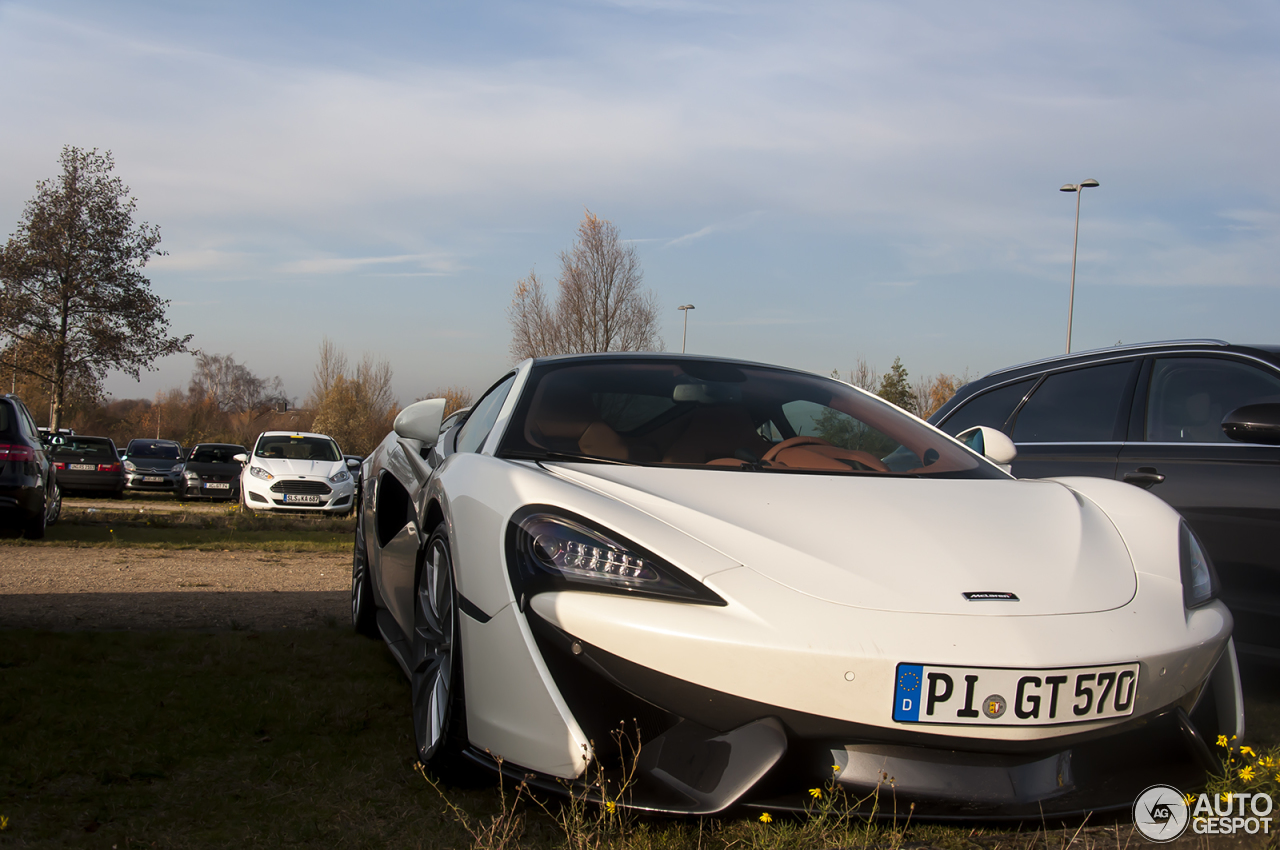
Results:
<point x="893" y="544"/>
<point x="206" y="468"/>
<point x="309" y="468"/>
<point x="154" y="464"/>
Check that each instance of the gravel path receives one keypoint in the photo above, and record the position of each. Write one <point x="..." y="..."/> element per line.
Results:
<point x="65" y="588"/>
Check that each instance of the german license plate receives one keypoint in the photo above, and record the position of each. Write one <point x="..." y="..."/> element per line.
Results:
<point x="291" y="498"/>
<point x="214" y="485"/>
<point x="82" y="467"/>
<point x="153" y="479"/>
<point x="999" y="696"/>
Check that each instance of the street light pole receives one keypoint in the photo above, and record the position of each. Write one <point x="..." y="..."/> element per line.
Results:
<point x="1078" y="188"/>
<point x="685" y="308"/>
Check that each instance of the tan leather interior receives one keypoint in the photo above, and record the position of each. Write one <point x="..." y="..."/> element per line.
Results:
<point x="816" y="453"/>
<point x="564" y="419"/>
<point x="714" y="433"/>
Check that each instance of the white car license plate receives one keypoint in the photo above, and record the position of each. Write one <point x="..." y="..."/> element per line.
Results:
<point x="302" y="500"/>
<point x="214" y="485"/>
<point x="996" y="696"/>
<point x="82" y="467"/>
<point x="153" y="479"/>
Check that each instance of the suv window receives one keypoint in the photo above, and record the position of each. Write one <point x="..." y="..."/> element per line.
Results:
<point x="1191" y="395"/>
<point x="992" y="408"/>
<point x="1080" y="406"/>
<point x="485" y="413"/>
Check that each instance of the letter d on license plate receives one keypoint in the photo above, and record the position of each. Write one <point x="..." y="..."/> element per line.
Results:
<point x="1002" y="696"/>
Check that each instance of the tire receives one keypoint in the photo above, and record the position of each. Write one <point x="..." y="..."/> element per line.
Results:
<point x="33" y="528"/>
<point x="439" y="714"/>
<point x="55" y="507"/>
<point x="244" y="504"/>
<point x="363" y="611"/>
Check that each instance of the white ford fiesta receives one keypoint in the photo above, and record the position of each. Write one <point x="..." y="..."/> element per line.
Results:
<point x="768" y="580"/>
<point x="296" y="471"/>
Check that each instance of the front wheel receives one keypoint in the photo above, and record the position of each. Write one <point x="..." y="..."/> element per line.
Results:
<point x="244" y="504"/>
<point x="439" y="716"/>
<point x="363" y="613"/>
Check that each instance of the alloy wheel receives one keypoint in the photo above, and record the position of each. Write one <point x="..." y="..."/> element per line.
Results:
<point x="433" y="641"/>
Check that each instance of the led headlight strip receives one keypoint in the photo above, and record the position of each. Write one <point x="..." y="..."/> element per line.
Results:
<point x="550" y="549"/>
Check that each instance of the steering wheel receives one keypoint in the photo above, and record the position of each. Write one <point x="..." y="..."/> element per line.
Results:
<point x="792" y="442"/>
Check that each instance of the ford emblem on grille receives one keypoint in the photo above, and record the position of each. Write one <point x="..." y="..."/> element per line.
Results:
<point x="991" y="596"/>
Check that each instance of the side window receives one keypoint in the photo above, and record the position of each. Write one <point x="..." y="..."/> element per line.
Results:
<point x="28" y="425"/>
<point x="483" y="415"/>
<point x="1080" y="406"/>
<point x="1190" y="396"/>
<point x="992" y="408"/>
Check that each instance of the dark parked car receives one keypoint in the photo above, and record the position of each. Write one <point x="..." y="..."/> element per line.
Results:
<point x="29" y="492"/>
<point x="89" y="464"/>
<point x="1196" y="422"/>
<point x="212" y="471"/>
<point x="153" y="465"/>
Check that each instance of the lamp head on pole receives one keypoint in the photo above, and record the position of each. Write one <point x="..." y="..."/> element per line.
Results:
<point x="685" y="307"/>
<point x="1076" y="187"/>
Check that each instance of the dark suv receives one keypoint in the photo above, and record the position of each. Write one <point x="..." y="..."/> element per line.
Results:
<point x="1197" y="422"/>
<point x="29" y="494"/>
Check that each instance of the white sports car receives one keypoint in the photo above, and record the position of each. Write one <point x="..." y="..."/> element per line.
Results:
<point x="758" y="574"/>
<point x="297" y="471"/>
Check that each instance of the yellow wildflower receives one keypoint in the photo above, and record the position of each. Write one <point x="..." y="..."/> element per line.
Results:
<point x="1246" y="773"/>
<point x="1222" y="740"/>
<point x="4" y="823"/>
<point x="611" y="806"/>
<point x="765" y="817"/>
<point x="1266" y="762"/>
<point x="835" y="768"/>
<point x="1247" y="751"/>
<point x="1189" y="799"/>
<point x="1225" y="796"/>
<point x="815" y="793"/>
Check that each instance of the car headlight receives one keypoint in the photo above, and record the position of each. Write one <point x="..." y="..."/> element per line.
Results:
<point x="259" y="472"/>
<point x="176" y="468"/>
<point x="192" y="476"/>
<point x="552" y="551"/>
<point x="1199" y="578"/>
<point x="129" y="467"/>
<point x="340" y="476"/>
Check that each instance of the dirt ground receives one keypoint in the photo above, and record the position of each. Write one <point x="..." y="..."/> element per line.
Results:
<point x="137" y="589"/>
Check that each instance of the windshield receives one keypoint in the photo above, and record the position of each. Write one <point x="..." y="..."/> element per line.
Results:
<point x="160" y="451"/>
<point x="297" y="448"/>
<point x="710" y="413"/>
<point x="215" y="454"/>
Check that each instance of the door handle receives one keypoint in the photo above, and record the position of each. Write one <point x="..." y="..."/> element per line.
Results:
<point x="1145" y="477"/>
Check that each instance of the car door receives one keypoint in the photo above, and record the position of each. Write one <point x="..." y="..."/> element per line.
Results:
<point x="399" y="503"/>
<point x="1074" y="421"/>
<point x="1229" y="492"/>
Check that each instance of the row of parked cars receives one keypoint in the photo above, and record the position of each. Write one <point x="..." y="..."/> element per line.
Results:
<point x="286" y="470"/>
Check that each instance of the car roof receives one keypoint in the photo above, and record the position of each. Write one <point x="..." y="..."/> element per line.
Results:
<point x="605" y="356"/>
<point x="219" y="445"/>
<point x="293" y="434"/>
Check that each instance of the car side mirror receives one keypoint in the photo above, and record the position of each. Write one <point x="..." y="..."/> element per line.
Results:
<point x="241" y="458"/>
<point x="352" y="463"/>
<point x="1254" y="423"/>
<point x="994" y="445"/>
<point x="421" y="421"/>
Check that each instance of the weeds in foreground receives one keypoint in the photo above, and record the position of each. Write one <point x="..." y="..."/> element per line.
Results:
<point x="497" y="832"/>
<point x="1245" y="771"/>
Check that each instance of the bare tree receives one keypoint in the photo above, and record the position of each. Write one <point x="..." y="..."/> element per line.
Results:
<point x="601" y="305"/>
<point x="355" y="407"/>
<point x="71" y="279"/>
<point x="455" y="398"/>
<point x="230" y="386"/>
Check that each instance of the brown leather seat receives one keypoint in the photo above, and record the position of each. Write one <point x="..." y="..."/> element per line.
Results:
<point x="563" y="418"/>
<point x="716" y="432"/>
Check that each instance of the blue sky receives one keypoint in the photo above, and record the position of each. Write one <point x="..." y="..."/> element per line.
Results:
<point x="824" y="181"/>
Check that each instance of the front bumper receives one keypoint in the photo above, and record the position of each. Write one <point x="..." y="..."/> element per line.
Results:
<point x="699" y="751"/>
<point x="263" y="495"/>
<point x="160" y="482"/>
<point x="201" y="488"/>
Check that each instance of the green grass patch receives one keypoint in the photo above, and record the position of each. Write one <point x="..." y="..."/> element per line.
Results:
<point x="195" y="529"/>
<point x="304" y="739"/>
